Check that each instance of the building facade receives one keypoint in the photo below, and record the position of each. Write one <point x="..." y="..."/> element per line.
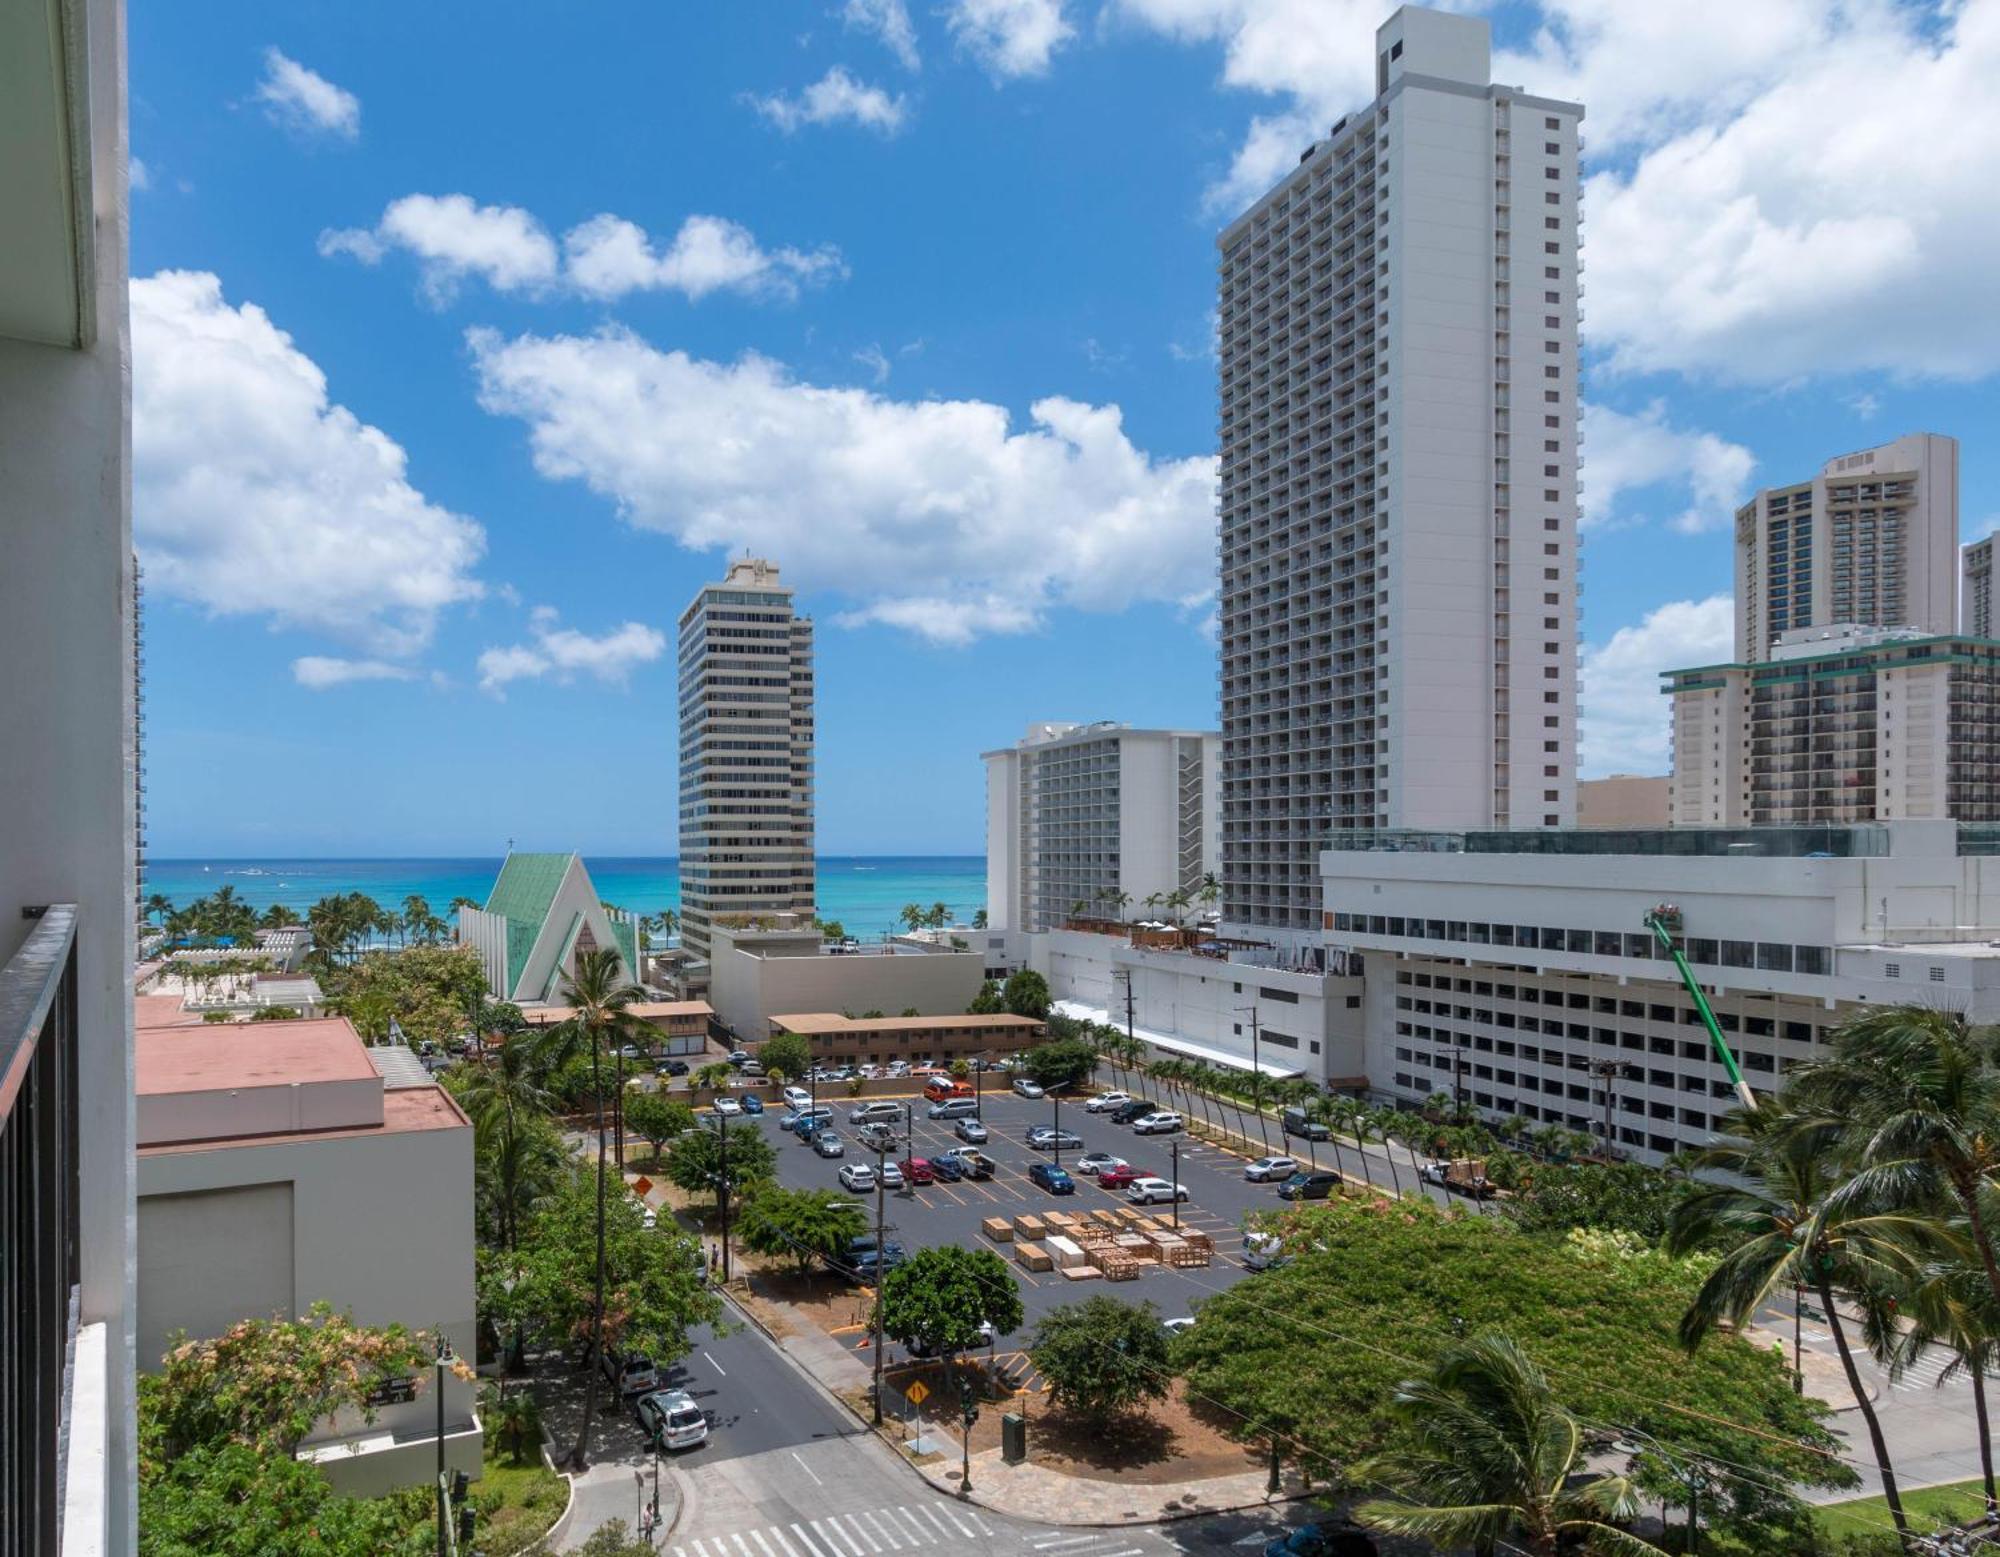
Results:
<point x="541" y="915"/>
<point x="1840" y="725"/>
<point x="1871" y="541"/>
<point x="1624" y="800"/>
<point x="1515" y="970"/>
<point x="1100" y="819"/>
<point x="1975" y="603"/>
<point x="837" y="1039"/>
<point x="1399" y="443"/>
<point x="746" y="754"/>
<point x="779" y="963"/>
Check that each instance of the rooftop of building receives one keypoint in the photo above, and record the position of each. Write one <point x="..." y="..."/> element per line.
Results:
<point x="227" y="1056"/>
<point x="812" y="1023"/>
<point x="644" y="1010"/>
<point x="1792" y="658"/>
<point x="404" y="1111"/>
<point x="1807" y="841"/>
<point x="1056" y="732"/>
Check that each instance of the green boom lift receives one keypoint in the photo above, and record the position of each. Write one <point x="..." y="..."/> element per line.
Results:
<point x="1665" y="923"/>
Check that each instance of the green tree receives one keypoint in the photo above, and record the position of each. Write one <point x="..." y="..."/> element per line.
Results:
<point x="1102" y="1358"/>
<point x="805" y="1226"/>
<point x="275" y="1014"/>
<point x="657" y="1118"/>
<point x="278" y="916"/>
<point x="229" y="1500"/>
<point x="987" y="1002"/>
<point x="425" y="989"/>
<point x="1062" y="1063"/>
<point x="695" y="1161"/>
<point x="940" y="1297"/>
<point x="786" y="1054"/>
<point x="979" y="919"/>
<point x="614" y="1539"/>
<point x="912" y="916"/>
<point x="1027" y="994"/>
<point x="1611" y="1197"/>
<point x="1489" y="1455"/>
<point x="507" y="1103"/>
<point x="514" y="1420"/>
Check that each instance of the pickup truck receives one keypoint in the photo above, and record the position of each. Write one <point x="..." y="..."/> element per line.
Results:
<point x="974" y="1163"/>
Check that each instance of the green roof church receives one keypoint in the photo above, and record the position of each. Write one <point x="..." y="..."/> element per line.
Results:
<point x="543" y="911"/>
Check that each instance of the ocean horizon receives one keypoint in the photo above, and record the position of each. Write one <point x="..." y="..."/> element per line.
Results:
<point x="865" y="892"/>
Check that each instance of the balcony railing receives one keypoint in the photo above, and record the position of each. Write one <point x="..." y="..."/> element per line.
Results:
<point x="38" y="1229"/>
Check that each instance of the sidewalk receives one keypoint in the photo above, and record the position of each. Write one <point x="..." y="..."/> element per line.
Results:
<point x="1032" y="1492"/>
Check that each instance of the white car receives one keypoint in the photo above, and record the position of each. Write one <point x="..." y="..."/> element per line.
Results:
<point x="1179" y="1326"/>
<point x="1160" y="1122"/>
<point x="798" y="1097"/>
<point x="859" y="1177"/>
<point x="1266" y="1169"/>
<point x="891" y="1175"/>
<point x="1104" y="1102"/>
<point x="1097" y="1162"/>
<point x="1151" y="1192"/>
<point x="671" y="1417"/>
<point x="1023" y="1087"/>
<point x="728" y="1107"/>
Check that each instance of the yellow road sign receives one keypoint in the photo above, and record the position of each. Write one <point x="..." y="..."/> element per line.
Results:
<point x="917" y="1393"/>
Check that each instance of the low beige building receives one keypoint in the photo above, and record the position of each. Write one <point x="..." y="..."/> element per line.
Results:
<point x="681" y="1024"/>
<point x="279" y="1167"/>
<point x="1624" y="800"/>
<point x="848" y="1040"/>
<point x="779" y="963"/>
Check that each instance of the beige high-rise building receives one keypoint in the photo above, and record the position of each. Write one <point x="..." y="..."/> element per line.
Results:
<point x="746" y="718"/>
<point x="1975" y="605"/>
<point x="1398" y="362"/>
<point x="1871" y="541"/>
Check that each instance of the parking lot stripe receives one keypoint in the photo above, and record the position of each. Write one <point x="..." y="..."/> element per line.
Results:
<point x="806" y="1541"/>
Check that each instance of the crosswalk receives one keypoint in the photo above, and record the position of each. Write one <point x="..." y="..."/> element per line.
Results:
<point x="1112" y="1544"/>
<point x="904" y="1527"/>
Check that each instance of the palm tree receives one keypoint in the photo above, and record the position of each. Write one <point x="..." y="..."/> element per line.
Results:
<point x="939" y="916"/>
<point x="600" y="1018"/>
<point x="979" y="919"/>
<point x="1492" y="1463"/>
<point x="416" y="914"/>
<point x="159" y="906"/>
<point x="1953" y="1308"/>
<point x="711" y="1077"/>
<point x="1918" y="1096"/>
<point x="912" y="916"/>
<point x="277" y="916"/>
<point x="1154" y="899"/>
<point x="1385" y="1125"/>
<point x="504" y="1099"/>
<point x="1786" y="1227"/>
<point x="1210" y="889"/>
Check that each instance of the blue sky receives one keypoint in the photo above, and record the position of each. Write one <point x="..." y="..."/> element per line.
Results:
<point x="469" y="340"/>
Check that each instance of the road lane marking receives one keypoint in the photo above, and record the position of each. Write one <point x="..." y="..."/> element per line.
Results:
<point x="808" y="1470"/>
<point x="715" y="1365"/>
<point x="743" y="1546"/>
<point x="845" y="1539"/>
<point x="807" y="1542"/>
<point x="914" y="1523"/>
<point x="1056" y="1546"/>
<point x="940" y="1524"/>
<point x="779" y="1536"/>
<point x="963" y="1528"/>
<point x="834" y="1520"/>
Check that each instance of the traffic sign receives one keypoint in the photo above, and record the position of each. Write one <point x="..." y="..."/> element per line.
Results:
<point x="917" y="1393"/>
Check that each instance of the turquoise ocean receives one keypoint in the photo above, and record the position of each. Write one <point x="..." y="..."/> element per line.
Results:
<point x="864" y="892"/>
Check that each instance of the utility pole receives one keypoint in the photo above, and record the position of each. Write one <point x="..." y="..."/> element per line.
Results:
<point x="1256" y="1073"/>
<point x="442" y="1364"/>
<point x="1174" y="1147"/>
<point x="1605" y="1071"/>
<point x="1055" y="1121"/>
<point x="722" y="1189"/>
<point x="881" y="1252"/>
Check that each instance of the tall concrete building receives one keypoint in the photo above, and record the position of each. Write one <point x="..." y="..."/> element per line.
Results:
<point x="1090" y="813"/>
<point x="1398" y="360"/>
<point x="1975" y="603"/>
<point x="746" y="714"/>
<point x="1871" y="541"/>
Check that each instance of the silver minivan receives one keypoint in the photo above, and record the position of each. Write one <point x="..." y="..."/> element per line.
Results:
<point x="876" y="1113"/>
<point x="954" y="1108"/>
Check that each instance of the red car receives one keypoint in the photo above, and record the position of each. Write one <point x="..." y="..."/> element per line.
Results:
<point x="1118" y="1178"/>
<point x="918" y="1170"/>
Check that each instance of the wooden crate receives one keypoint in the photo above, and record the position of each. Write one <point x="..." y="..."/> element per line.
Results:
<point x="1028" y="1225"/>
<point x="1199" y="1240"/>
<point x="1188" y="1256"/>
<point x="1118" y="1268"/>
<point x="998" y="1228"/>
<point x="1081" y="1272"/>
<point x="1105" y="1216"/>
<point x="1032" y="1256"/>
<point x="1136" y="1246"/>
<point x="1059" y="1221"/>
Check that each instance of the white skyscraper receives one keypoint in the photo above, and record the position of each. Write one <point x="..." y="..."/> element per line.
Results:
<point x="1398" y="341"/>
<point x="1975" y="607"/>
<point x="746" y="713"/>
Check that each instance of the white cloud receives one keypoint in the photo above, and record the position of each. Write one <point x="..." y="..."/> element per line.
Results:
<point x="1010" y="38"/>
<point x="317" y="672"/>
<point x="254" y="494"/>
<point x="932" y="515"/>
<point x="871" y="357"/>
<point x="565" y="653"/>
<point x="889" y="20"/>
<point x="835" y="98"/>
<point x="605" y="258"/>
<point x="1625" y="719"/>
<point x="1864" y="405"/>
<point x="1628" y="451"/>
<point x="138" y="176"/>
<point x="304" y="101"/>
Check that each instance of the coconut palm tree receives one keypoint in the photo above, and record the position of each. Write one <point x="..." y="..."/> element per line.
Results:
<point x="1785" y="1226"/>
<point x="1210" y="889"/>
<point x="1493" y="1461"/>
<point x="504" y="1099"/>
<point x="159" y="906"/>
<point x="912" y="916"/>
<point x="1177" y="902"/>
<point x="416" y="914"/>
<point x="1953" y="1308"/>
<point x="1385" y="1125"/>
<point x="1917" y="1094"/>
<point x="939" y="916"/>
<point x="600" y="1019"/>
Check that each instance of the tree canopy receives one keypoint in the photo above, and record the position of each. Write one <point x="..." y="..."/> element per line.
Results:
<point x="694" y="1161"/>
<point x="786" y="1054"/>
<point x="656" y="1118"/>
<point x="1102" y="1357"/>
<point x="1026" y="993"/>
<point x="426" y="989"/>
<point x="805" y="1226"/>
<point x="940" y="1296"/>
<point x="1061" y="1063"/>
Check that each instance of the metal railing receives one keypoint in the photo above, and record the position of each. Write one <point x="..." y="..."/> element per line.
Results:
<point x="38" y="1229"/>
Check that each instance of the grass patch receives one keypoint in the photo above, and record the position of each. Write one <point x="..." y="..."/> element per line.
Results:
<point x="1950" y="1504"/>
<point x="516" y="1504"/>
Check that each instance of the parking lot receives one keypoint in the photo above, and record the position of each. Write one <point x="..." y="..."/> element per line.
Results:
<point x="947" y="1213"/>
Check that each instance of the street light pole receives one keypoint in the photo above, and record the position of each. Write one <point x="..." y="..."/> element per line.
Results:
<point x="1256" y="1074"/>
<point x="722" y="1189"/>
<point x="442" y="1363"/>
<point x="1174" y="1148"/>
<point x="881" y="1250"/>
<point x="1055" y="1123"/>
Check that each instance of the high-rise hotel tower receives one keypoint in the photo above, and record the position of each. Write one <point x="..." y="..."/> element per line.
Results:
<point x="1398" y="357"/>
<point x="746" y="712"/>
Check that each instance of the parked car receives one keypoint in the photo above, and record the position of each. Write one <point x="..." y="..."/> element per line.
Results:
<point x="751" y="1068"/>
<point x="1323" y="1540"/>
<point x="876" y="1137"/>
<point x="1265" y="1169"/>
<point x="945" y="1167"/>
<point x="738" y="1056"/>
<point x="917" y="1170"/>
<point x="1097" y="1162"/>
<point x="1023" y="1087"/>
<point x="799" y="1116"/>
<point x="891" y="1176"/>
<point x="858" y="1177"/>
<point x="1051" y="1178"/>
<point x="797" y="1097"/>
<point x="727" y="1107"/>
<point x="1047" y="1138"/>
<point x="1161" y="1122"/>
<point x="1118" y="1178"/>
<point x="1263" y="1251"/>
<point x="1309" y="1186"/>
<point x="971" y="1131"/>
<point x="1106" y="1102"/>
<point x="1153" y="1192"/>
<point x="954" y="1108"/>
<point x="1179" y="1326"/>
<point x="974" y="1164"/>
<point x="1433" y="1173"/>
<point x="827" y="1144"/>
<point x="672" y="1068"/>
<point x="1297" y="1122"/>
<point x="672" y="1419"/>
<point x="1138" y="1108"/>
<point x="630" y="1051"/>
<point x="921" y="1346"/>
<point x="863" y="1262"/>
<point x="632" y="1375"/>
<point x="876" y="1113"/>
<point x="939" y="1088"/>
<point x="752" y="1104"/>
